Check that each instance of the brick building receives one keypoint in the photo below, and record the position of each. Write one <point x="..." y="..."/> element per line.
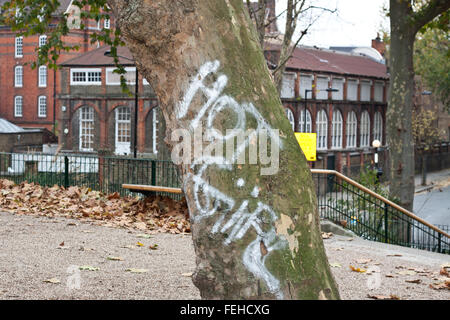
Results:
<point x="28" y="95"/>
<point x="97" y="116"/>
<point x="346" y="121"/>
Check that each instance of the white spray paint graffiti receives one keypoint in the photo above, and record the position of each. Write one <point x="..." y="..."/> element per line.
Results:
<point x="207" y="198"/>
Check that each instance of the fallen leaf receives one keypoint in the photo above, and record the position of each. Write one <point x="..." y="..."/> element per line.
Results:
<point x="414" y="281"/>
<point x="394" y="255"/>
<point x="89" y="268"/>
<point x="115" y="258"/>
<point x="187" y="274"/>
<point x="327" y="235"/>
<point x="407" y="273"/>
<point x="335" y="265"/>
<point x="133" y="270"/>
<point x="145" y="236"/>
<point x="363" y="261"/>
<point x="139" y="244"/>
<point x="52" y="280"/>
<point x="379" y="297"/>
<point x="153" y="247"/>
<point x="357" y="269"/>
<point x="389" y="276"/>
<point x="61" y="244"/>
<point x="339" y="249"/>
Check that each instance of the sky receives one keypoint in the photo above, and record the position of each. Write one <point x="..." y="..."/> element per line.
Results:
<point x="356" y="23"/>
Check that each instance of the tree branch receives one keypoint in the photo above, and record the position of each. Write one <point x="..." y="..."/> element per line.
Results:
<point x="429" y="12"/>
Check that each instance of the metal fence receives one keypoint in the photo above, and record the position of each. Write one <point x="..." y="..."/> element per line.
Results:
<point x="106" y="174"/>
<point x="374" y="219"/>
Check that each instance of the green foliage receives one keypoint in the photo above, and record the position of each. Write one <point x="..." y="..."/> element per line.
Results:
<point x="432" y="62"/>
<point x="36" y="17"/>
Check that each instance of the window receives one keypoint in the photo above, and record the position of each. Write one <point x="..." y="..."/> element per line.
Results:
<point x="86" y="128"/>
<point x="365" y="90"/>
<point x="352" y="89"/>
<point x="352" y="124"/>
<point x="107" y="24"/>
<point x="18" y="106"/>
<point x="42" y="76"/>
<point x="18" y="76"/>
<point x="290" y="117"/>
<point x="378" y="91"/>
<point x="301" y="121"/>
<point x="123" y="130"/>
<point x="42" y="40"/>
<point x="365" y="129"/>
<point x="378" y="127"/>
<point x="113" y="79"/>
<point x="306" y="84"/>
<point x="86" y="77"/>
<point x="336" y="134"/>
<point x="338" y="83"/>
<point x="322" y="86"/>
<point x="42" y="107"/>
<point x="155" y="129"/>
<point x="288" y="85"/>
<point x="322" y="129"/>
<point x="19" y="47"/>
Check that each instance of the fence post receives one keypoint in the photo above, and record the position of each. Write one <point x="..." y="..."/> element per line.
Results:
<point x="386" y="226"/>
<point x="66" y="171"/>
<point x="439" y="242"/>
<point x="153" y="173"/>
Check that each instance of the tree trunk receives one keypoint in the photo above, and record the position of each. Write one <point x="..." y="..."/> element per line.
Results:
<point x="255" y="235"/>
<point x="399" y="113"/>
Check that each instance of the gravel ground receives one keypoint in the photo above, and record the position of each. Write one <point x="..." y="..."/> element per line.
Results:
<point x="31" y="254"/>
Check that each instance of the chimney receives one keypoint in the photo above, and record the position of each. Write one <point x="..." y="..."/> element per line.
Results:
<point x="379" y="45"/>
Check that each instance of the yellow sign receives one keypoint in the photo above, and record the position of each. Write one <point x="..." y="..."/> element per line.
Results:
<point x="307" y="142"/>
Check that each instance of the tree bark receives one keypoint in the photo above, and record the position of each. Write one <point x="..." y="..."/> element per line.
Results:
<point x="255" y="236"/>
<point x="399" y="113"/>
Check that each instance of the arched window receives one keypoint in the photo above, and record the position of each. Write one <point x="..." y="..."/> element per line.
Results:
<point x="123" y="130"/>
<point x="352" y="124"/>
<point x="301" y="121"/>
<point x="290" y="117"/>
<point x="336" y="134"/>
<point x="365" y="129"/>
<point x="322" y="129"/>
<point x="378" y="127"/>
<point x="86" y="129"/>
<point x="18" y="76"/>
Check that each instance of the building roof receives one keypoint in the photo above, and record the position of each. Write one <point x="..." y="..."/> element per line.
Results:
<point x="8" y="127"/>
<point x="329" y="61"/>
<point x="97" y="58"/>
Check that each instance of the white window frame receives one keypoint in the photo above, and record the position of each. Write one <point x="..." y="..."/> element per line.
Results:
<point x="290" y="116"/>
<point x="352" y="129"/>
<point x="365" y="83"/>
<point x="321" y="93"/>
<point x="351" y="97"/>
<point x="86" y="81"/>
<point x="42" y="106"/>
<point x="18" y="47"/>
<point x="322" y="130"/>
<point x="364" y="140"/>
<point x="378" y="127"/>
<point x="110" y="83"/>
<point x="155" y="122"/>
<point x="338" y="83"/>
<point x="42" y="76"/>
<point x="378" y="91"/>
<point x="123" y="127"/>
<point x="301" y="121"/>
<point x="107" y="23"/>
<point x="18" y="76"/>
<point x="306" y="82"/>
<point x="18" y="108"/>
<point x="336" y="127"/>
<point x="87" y="123"/>
<point x="288" y="85"/>
<point x="42" y="40"/>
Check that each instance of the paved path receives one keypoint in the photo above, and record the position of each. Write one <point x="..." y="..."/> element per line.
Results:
<point x="434" y="206"/>
<point x="30" y="253"/>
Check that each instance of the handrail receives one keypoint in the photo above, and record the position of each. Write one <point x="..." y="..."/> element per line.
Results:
<point x="376" y="195"/>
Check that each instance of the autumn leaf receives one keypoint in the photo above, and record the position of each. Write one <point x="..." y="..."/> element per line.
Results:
<point x="52" y="280"/>
<point x="335" y="265"/>
<point x="133" y="270"/>
<point x="187" y="274"/>
<point x="357" y="269"/>
<point x="115" y="258"/>
<point x="154" y="247"/>
<point x="380" y="297"/>
<point x="139" y="244"/>
<point x="89" y="268"/>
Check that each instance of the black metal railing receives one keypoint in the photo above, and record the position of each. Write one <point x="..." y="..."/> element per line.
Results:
<point x="106" y="174"/>
<point x="373" y="217"/>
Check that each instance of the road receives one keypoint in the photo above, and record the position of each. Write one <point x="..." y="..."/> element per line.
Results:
<point x="434" y="206"/>
<point x="40" y="258"/>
